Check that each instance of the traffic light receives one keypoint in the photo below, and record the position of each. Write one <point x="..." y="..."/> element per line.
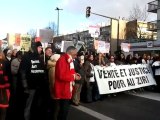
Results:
<point x="88" y="11"/>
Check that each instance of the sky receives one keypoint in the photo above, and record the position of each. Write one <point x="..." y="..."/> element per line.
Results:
<point x="20" y="16"/>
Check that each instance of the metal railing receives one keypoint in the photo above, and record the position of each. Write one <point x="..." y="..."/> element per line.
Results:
<point x="153" y="25"/>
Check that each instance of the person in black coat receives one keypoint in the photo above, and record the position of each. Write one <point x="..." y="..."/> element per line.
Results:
<point x="32" y="70"/>
<point x="79" y="68"/>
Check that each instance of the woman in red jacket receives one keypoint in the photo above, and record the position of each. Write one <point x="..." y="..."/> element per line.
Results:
<point x="4" y="88"/>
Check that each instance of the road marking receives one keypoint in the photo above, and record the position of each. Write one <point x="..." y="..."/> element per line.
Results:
<point x="92" y="113"/>
<point x="149" y="95"/>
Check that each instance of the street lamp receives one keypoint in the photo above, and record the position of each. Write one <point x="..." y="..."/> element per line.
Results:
<point x="58" y="9"/>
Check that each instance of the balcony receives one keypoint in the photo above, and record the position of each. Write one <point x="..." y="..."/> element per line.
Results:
<point x="153" y="6"/>
<point x="152" y="26"/>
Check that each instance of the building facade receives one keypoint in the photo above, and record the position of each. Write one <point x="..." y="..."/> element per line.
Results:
<point x="117" y="32"/>
<point x="154" y="7"/>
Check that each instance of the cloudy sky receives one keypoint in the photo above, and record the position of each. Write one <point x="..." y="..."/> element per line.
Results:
<point x="23" y="15"/>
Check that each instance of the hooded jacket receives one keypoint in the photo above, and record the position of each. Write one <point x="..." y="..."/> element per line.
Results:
<point x="33" y="69"/>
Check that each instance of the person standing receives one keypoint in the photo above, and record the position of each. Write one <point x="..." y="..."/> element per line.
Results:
<point x="156" y="72"/>
<point x="79" y="68"/>
<point x="64" y="78"/>
<point x="51" y="74"/>
<point x="17" y="89"/>
<point x="112" y="64"/>
<point x="4" y="88"/>
<point x="32" y="70"/>
<point x="15" y="63"/>
<point x="89" y="80"/>
<point x="8" y="57"/>
<point x="48" y="54"/>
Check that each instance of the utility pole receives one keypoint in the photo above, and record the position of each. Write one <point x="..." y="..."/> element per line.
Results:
<point x="58" y="9"/>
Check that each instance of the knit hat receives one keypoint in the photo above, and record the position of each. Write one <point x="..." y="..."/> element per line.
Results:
<point x="38" y="44"/>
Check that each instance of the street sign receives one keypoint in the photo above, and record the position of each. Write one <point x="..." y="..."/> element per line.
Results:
<point x="150" y="44"/>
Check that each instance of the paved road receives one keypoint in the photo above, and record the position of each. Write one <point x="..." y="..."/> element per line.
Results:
<point x="140" y="106"/>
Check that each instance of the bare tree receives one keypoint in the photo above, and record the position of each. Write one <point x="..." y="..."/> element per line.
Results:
<point x="138" y="16"/>
<point x="137" y="13"/>
<point x="52" y="26"/>
<point x="32" y="32"/>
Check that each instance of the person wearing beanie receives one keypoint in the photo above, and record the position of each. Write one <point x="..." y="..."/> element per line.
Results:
<point x="38" y="44"/>
<point x="33" y="70"/>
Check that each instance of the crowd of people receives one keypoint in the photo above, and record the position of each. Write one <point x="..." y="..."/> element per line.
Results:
<point x="42" y="86"/>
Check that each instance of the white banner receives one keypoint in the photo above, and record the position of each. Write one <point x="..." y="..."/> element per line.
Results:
<point x="123" y="77"/>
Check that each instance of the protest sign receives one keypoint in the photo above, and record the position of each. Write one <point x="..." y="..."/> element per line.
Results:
<point x="25" y="43"/>
<point x="107" y="47"/>
<point x="3" y="44"/>
<point x="65" y="45"/>
<point x="96" y="44"/>
<point x="123" y="77"/>
<point x="125" y="47"/>
<point x="94" y="31"/>
<point x="79" y="45"/>
<point x="103" y="47"/>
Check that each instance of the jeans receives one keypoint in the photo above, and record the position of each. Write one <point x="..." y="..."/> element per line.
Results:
<point x="76" y="93"/>
<point x="28" y="104"/>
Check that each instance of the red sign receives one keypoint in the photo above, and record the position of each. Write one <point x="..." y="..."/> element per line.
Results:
<point x="0" y="43"/>
<point x="17" y="39"/>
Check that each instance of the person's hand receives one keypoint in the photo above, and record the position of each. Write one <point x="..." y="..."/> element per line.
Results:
<point x="81" y="63"/>
<point x="77" y="76"/>
<point x="26" y="90"/>
<point x="101" y="65"/>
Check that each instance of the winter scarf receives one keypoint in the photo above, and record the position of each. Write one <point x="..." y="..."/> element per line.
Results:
<point x="70" y="61"/>
<point x="72" y="70"/>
